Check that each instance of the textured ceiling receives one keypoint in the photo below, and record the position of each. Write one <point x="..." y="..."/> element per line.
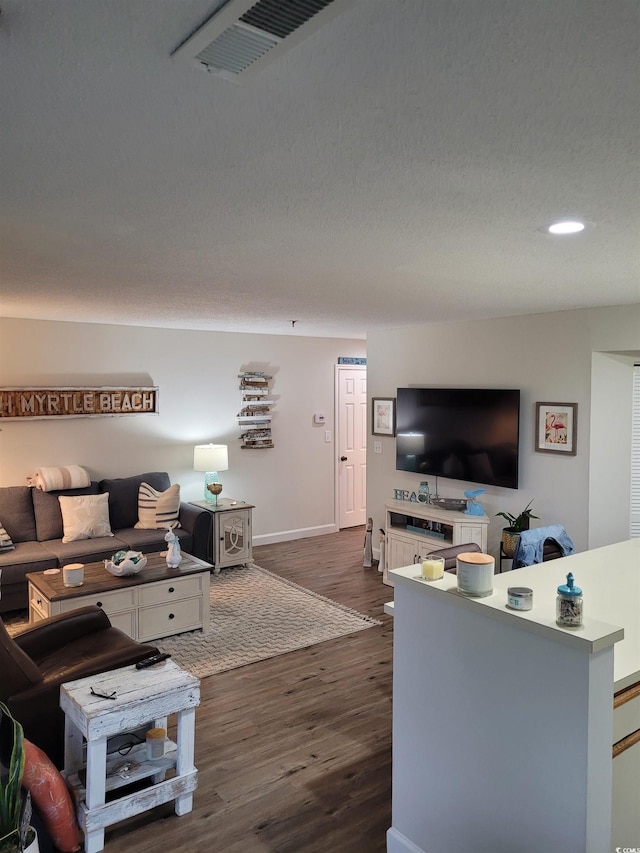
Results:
<point x="394" y="168"/>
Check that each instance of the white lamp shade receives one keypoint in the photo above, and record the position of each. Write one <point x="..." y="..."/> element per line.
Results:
<point x="210" y="457"/>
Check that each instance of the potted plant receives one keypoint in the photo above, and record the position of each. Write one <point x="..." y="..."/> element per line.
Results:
<point x="16" y="835"/>
<point x="517" y="523"/>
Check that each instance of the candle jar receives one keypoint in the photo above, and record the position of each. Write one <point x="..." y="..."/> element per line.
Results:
<point x="474" y="572"/>
<point x="519" y="598"/>
<point x="569" y="604"/>
<point x="155" y="743"/>
<point x="432" y="567"/>
<point x="73" y="574"/>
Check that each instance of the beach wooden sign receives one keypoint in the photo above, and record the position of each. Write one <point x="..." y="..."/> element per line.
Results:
<point x="50" y="403"/>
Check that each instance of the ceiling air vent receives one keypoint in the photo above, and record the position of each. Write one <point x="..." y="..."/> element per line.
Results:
<point x="243" y="36"/>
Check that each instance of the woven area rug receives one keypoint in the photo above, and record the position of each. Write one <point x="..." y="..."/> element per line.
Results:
<point x="257" y="615"/>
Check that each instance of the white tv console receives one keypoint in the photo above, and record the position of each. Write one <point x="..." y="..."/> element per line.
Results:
<point x="413" y="528"/>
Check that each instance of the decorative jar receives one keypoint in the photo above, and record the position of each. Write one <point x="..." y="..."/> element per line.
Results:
<point x="474" y="574"/>
<point x="569" y="604"/>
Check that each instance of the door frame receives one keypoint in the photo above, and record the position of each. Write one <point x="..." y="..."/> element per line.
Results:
<point x="336" y="437"/>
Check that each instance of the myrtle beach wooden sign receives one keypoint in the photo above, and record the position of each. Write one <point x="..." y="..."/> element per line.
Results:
<point x="21" y="403"/>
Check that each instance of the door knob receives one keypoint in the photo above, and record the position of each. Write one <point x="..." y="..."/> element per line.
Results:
<point x="343" y="458"/>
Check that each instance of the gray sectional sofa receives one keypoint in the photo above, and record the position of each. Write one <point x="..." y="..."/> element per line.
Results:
<point x="33" y="520"/>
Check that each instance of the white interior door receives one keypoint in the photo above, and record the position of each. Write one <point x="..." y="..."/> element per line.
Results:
<point x="352" y="445"/>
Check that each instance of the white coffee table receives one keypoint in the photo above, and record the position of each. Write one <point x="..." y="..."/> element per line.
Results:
<point x="142" y="698"/>
<point x="157" y="602"/>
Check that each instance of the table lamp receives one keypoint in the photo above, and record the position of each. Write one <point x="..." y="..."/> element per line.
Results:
<point x="211" y="458"/>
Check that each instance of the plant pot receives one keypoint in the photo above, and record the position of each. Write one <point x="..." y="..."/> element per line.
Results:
<point x="32" y="847"/>
<point x="510" y="541"/>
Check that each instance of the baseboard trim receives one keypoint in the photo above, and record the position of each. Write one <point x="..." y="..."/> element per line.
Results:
<point x="399" y="843"/>
<point x="290" y="535"/>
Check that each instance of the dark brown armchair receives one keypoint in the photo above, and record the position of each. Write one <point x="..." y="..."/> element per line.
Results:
<point x="551" y="551"/>
<point x="451" y="552"/>
<point x="37" y="661"/>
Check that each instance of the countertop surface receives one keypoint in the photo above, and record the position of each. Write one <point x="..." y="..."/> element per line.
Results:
<point x="610" y="580"/>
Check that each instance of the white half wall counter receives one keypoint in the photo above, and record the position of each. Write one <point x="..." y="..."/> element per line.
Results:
<point x="503" y="722"/>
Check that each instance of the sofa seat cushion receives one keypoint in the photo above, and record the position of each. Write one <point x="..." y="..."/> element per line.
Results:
<point x="85" y="550"/>
<point x="14" y="597"/>
<point x="152" y="541"/>
<point x="47" y="510"/>
<point x="25" y="557"/>
<point x="123" y="496"/>
<point x="16" y="513"/>
<point x="14" y="565"/>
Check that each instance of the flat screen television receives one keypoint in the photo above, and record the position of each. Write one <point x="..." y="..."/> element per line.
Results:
<point x="466" y="434"/>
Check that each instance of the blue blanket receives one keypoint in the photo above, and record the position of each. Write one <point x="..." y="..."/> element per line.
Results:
<point x="531" y="544"/>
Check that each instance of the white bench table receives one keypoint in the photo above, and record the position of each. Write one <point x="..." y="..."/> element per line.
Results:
<point x="143" y="697"/>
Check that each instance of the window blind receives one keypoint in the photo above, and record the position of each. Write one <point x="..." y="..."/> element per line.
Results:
<point x="634" y="521"/>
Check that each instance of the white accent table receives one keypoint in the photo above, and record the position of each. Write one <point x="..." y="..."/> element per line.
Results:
<point x="231" y="543"/>
<point x="143" y="697"/>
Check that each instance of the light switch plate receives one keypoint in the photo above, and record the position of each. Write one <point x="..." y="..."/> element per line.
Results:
<point x="377" y="447"/>
<point x="327" y="436"/>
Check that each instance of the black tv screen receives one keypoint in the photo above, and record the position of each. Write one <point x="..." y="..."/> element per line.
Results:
<point x="466" y="434"/>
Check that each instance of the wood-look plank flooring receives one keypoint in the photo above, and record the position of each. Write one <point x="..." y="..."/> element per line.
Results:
<point x="293" y="753"/>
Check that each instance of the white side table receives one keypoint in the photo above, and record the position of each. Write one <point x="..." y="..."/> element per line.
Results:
<point x="231" y="532"/>
<point x="146" y="696"/>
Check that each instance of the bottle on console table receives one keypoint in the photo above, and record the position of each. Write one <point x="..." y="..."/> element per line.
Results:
<point x="423" y="493"/>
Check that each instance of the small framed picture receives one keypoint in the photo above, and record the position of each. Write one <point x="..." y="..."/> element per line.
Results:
<point x="556" y="428"/>
<point x="383" y="415"/>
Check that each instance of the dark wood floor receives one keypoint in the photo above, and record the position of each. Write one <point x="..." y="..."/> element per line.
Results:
<point x="293" y="753"/>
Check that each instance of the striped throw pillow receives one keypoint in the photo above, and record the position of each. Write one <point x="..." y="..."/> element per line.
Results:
<point x="5" y="540"/>
<point x="157" y="509"/>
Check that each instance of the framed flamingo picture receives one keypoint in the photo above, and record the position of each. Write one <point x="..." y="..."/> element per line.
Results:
<point x="383" y="416"/>
<point x="556" y="428"/>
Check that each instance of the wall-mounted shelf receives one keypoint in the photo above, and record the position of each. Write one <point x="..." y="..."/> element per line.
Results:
<point x="254" y="418"/>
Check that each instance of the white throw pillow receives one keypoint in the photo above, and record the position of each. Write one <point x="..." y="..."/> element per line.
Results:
<point x="157" y="509"/>
<point x="5" y="540"/>
<point x="85" y="516"/>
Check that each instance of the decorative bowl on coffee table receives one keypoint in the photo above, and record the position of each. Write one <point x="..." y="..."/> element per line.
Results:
<point x="132" y="563"/>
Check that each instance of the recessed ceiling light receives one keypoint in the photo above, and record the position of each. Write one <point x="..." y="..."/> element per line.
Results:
<point x="566" y="226"/>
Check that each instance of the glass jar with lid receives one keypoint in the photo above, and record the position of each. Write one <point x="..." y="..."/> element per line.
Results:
<point x="569" y="604"/>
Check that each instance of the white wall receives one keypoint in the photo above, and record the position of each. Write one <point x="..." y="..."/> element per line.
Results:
<point x="547" y="356"/>
<point x="291" y="485"/>
<point x="611" y="431"/>
<point x="565" y="356"/>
